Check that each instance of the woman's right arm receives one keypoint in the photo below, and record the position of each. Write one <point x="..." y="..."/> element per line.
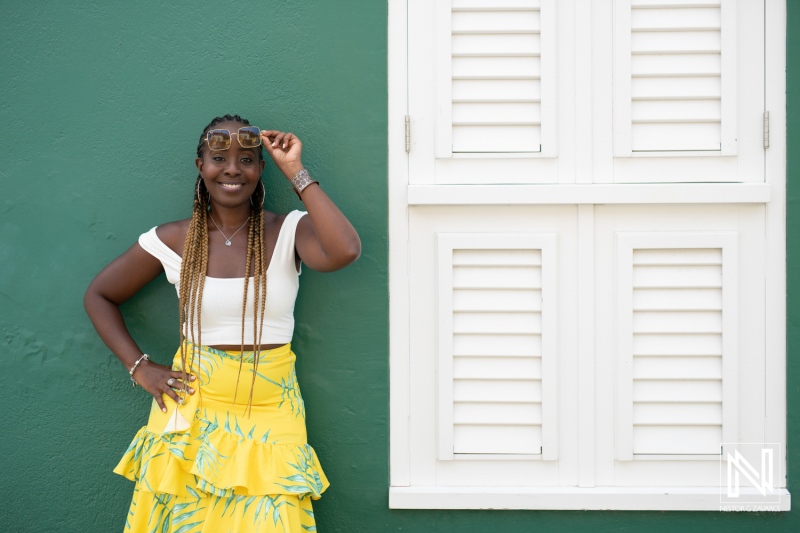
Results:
<point x="113" y="286"/>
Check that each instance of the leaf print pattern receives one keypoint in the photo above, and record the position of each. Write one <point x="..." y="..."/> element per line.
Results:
<point x="306" y="474"/>
<point x="290" y="391"/>
<point x="229" y="470"/>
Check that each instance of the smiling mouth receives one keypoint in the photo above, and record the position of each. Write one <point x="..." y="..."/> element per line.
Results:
<point x="231" y="186"/>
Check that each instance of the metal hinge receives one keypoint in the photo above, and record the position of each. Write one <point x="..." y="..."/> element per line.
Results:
<point x="766" y="129"/>
<point x="408" y="134"/>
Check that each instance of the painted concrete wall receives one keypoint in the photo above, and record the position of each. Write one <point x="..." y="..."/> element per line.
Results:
<point x="104" y="104"/>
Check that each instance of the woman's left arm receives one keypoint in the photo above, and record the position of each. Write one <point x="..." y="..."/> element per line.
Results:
<point x="325" y="241"/>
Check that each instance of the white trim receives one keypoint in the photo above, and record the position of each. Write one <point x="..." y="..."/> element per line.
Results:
<point x="399" y="409"/>
<point x="443" y="123"/>
<point x="730" y="102"/>
<point x="622" y="78"/>
<point x="775" y="258"/>
<point x="699" y="193"/>
<point x="586" y="348"/>
<point x="567" y="498"/>
<point x="548" y="62"/>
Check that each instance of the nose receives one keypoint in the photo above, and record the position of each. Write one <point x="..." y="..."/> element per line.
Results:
<point x="232" y="166"/>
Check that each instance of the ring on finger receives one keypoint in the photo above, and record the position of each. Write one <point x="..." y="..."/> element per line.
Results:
<point x="171" y="382"/>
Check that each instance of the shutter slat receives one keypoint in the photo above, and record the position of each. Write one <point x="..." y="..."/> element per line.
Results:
<point x="675" y="65"/>
<point x="505" y="4"/>
<point x="497" y="439"/>
<point x="683" y="18"/>
<point x="472" y="66"/>
<point x="496" y="277"/>
<point x="496" y="43"/>
<point x="695" y="440"/>
<point x="488" y="21"/>
<point x="671" y="344"/>
<point x="497" y="90"/>
<point x="498" y="113"/>
<point x="691" y="414"/>
<point x="677" y="276"/>
<point x="513" y="414"/>
<point x="503" y="345"/>
<point x="677" y="300"/>
<point x="497" y="257"/>
<point x="699" y="256"/>
<point x="497" y="391"/>
<point x="497" y="300"/>
<point x="497" y="322"/>
<point x="674" y="367"/>
<point x="497" y="367"/>
<point x="676" y="322"/>
<point x="677" y="391"/>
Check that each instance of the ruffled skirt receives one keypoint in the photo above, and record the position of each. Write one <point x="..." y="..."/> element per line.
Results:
<point x="207" y="467"/>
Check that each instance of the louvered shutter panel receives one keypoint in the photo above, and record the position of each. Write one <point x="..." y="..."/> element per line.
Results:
<point x="496" y="80"/>
<point x="676" y="340"/>
<point x="675" y="80"/>
<point x="496" y="343"/>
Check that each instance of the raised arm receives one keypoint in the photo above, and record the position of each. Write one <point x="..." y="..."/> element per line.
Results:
<point x="326" y="241"/>
<point x="113" y="286"/>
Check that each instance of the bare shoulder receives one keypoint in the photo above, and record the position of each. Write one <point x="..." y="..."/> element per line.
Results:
<point x="173" y="234"/>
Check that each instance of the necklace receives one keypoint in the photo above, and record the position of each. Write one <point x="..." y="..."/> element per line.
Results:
<point x="228" y="239"/>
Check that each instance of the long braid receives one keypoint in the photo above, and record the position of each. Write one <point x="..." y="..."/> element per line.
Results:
<point x="194" y="267"/>
<point x="259" y="296"/>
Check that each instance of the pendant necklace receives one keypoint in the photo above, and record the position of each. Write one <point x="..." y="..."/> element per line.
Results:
<point x="228" y="239"/>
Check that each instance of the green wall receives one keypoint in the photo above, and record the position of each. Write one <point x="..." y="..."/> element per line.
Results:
<point x="105" y="103"/>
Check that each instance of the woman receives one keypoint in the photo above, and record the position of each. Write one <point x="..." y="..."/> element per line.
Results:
<point x="225" y="445"/>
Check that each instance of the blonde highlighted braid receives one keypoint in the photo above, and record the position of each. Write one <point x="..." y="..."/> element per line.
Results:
<point x="195" y="266"/>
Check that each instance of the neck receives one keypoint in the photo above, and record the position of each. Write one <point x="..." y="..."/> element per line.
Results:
<point x="230" y="217"/>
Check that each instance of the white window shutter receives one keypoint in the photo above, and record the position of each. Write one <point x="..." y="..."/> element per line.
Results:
<point x="675" y="77"/>
<point x="496" y="77"/>
<point x="496" y="307"/>
<point x="676" y="331"/>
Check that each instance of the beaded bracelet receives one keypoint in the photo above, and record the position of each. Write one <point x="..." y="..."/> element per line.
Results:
<point x="144" y="357"/>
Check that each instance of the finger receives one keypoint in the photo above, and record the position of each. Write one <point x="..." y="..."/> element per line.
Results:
<point x="166" y="390"/>
<point x="178" y="384"/>
<point x="268" y="136"/>
<point x="160" y="401"/>
<point x="177" y="381"/>
<point x="287" y="141"/>
<point x="278" y="141"/>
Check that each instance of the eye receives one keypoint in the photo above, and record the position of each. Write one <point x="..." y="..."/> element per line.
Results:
<point x="217" y="158"/>
<point x="247" y="160"/>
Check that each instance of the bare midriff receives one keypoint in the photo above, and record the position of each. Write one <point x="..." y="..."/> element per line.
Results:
<point x="247" y="347"/>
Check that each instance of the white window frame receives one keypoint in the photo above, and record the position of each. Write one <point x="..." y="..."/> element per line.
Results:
<point x="402" y="194"/>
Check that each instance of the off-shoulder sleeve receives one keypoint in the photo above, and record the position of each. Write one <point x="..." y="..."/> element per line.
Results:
<point x="169" y="259"/>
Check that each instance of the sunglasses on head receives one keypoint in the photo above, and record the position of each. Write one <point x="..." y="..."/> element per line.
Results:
<point x="248" y="137"/>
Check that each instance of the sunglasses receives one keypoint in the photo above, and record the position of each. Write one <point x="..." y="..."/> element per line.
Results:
<point x="248" y="137"/>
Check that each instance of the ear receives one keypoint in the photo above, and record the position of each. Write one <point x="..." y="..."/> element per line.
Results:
<point x="199" y="163"/>
<point x="262" y="165"/>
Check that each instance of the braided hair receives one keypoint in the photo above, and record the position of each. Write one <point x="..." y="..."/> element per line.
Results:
<point x="195" y="265"/>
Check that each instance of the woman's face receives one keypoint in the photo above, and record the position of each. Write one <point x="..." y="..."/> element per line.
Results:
<point x="231" y="176"/>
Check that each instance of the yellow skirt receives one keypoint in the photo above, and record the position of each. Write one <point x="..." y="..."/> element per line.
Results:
<point x="206" y="466"/>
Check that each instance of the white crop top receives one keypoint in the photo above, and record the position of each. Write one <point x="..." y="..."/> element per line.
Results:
<point x="221" y="310"/>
